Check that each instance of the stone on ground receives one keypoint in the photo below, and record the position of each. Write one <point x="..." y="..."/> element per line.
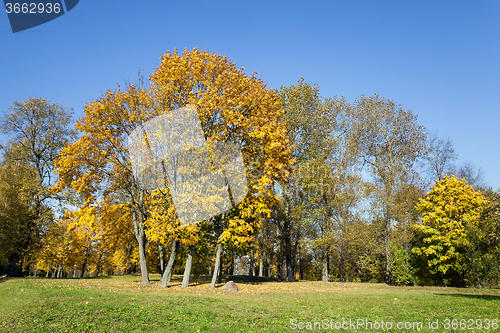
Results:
<point x="230" y="286"/>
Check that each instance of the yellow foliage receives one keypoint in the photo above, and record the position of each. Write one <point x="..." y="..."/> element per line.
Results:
<point x="232" y="107"/>
<point x="449" y="206"/>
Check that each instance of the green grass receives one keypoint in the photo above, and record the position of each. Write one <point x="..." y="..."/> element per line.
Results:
<point x="121" y="304"/>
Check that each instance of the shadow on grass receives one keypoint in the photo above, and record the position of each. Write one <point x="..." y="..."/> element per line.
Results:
<point x="5" y="279"/>
<point x="66" y="278"/>
<point x="207" y="279"/>
<point x="241" y="279"/>
<point x="247" y="279"/>
<point x="472" y="296"/>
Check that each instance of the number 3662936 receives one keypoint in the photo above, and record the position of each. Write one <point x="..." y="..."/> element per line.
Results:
<point x="32" y="8"/>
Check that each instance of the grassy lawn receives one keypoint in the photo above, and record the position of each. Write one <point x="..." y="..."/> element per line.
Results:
<point x="121" y="304"/>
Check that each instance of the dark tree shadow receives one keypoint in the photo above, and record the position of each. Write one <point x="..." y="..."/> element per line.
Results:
<point x="247" y="279"/>
<point x="472" y="296"/>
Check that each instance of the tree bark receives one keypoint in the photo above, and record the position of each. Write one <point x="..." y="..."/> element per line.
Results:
<point x="279" y="266"/>
<point x="295" y="257"/>
<point x="326" y="267"/>
<point x="162" y="259"/>
<point x="388" y="256"/>
<point x="83" y="268"/>
<point x="262" y="250"/>
<point x="261" y="263"/>
<point x="140" y="235"/>
<point x="341" y="267"/>
<point x="218" y="261"/>
<point x="167" y="274"/>
<point x="252" y="264"/>
<point x="48" y="271"/>
<point x="99" y="266"/>
<point x="187" y="269"/>
<point x="219" y="279"/>
<point x="217" y="265"/>
<point x="268" y="262"/>
<point x="301" y="269"/>
<point x="288" y="252"/>
<point x="230" y="267"/>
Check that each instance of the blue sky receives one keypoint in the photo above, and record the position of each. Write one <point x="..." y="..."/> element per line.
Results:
<point x="438" y="58"/>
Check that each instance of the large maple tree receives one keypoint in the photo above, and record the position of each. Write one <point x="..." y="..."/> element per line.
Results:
<point x="232" y="106"/>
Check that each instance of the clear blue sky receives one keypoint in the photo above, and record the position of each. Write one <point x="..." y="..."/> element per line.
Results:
<point x="441" y="59"/>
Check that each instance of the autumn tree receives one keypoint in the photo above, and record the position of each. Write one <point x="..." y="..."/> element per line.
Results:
<point x="310" y="125"/>
<point x="302" y="105"/>
<point x="37" y="130"/>
<point x="232" y="107"/>
<point x="439" y="156"/>
<point x="101" y="236"/>
<point x="347" y="220"/>
<point x="390" y="141"/>
<point x="53" y="255"/>
<point x="472" y="174"/>
<point x="97" y="165"/>
<point x="406" y="215"/>
<point x="324" y="189"/>
<point x="482" y="261"/>
<point x="447" y="211"/>
<point x="19" y="231"/>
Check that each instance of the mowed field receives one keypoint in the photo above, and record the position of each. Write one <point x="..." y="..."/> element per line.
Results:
<point x="121" y="304"/>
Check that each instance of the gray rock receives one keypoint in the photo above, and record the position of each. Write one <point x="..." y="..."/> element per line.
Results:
<point x="230" y="286"/>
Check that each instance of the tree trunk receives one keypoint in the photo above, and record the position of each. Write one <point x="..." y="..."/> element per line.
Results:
<point x="83" y="268"/>
<point x="262" y="252"/>
<point x="388" y="266"/>
<point x="270" y="258"/>
<point x="252" y="264"/>
<point x="167" y="274"/>
<point x="187" y="269"/>
<point x="268" y="262"/>
<point x="162" y="259"/>
<point x="219" y="279"/>
<point x="288" y="252"/>
<point x="48" y="271"/>
<point x="326" y="266"/>
<point x="99" y="266"/>
<point x="74" y="272"/>
<point x="140" y="236"/>
<point x="296" y="256"/>
<point x="217" y="265"/>
<point x="341" y="265"/>
<point x="230" y="267"/>
<point x="279" y="266"/>
<point x="261" y="263"/>
<point x="301" y="269"/>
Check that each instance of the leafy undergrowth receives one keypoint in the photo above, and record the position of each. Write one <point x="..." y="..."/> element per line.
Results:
<point x="122" y="304"/>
